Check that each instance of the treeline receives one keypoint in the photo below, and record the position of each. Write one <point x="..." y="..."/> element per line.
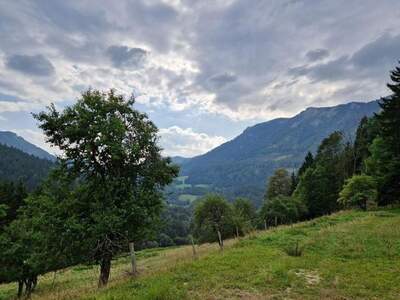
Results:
<point x="364" y="173"/>
<point x="16" y="165"/>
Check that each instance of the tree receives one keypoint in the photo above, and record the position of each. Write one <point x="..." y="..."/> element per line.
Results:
<point x="366" y="132"/>
<point x="320" y="185"/>
<point x="243" y="215"/>
<point x="308" y="162"/>
<point x="282" y="209"/>
<point x="17" y="240"/>
<point x="279" y="184"/>
<point x="115" y="171"/>
<point x="389" y="130"/>
<point x="12" y="197"/>
<point x="213" y="214"/>
<point x="359" y="191"/>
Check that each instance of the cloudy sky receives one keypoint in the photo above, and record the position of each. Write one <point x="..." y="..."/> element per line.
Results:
<point x="202" y="70"/>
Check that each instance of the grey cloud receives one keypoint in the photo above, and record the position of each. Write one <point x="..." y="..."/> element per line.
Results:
<point x="373" y="59"/>
<point x="220" y="80"/>
<point x="382" y="53"/>
<point x="123" y="56"/>
<point x="31" y="65"/>
<point x="317" y="54"/>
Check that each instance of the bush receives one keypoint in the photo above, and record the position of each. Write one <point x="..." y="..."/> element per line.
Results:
<point x="359" y="191"/>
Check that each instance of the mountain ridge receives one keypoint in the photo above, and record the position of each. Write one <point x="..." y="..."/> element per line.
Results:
<point x="11" y="139"/>
<point x="241" y="166"/>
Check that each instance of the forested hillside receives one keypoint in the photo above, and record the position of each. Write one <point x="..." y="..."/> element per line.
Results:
<point x="13" y="140"/>
<point x="240" y="167"/>
<point x="16" y="165"/>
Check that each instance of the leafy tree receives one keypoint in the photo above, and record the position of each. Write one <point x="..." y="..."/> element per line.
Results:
<point x="213" y="214"/>
<point x="243" y="215"/>
<point x="282" y="209"/>
<point x="279" y="184"/>
<point x="110" y="153"/>
<point x="360" y="191"/>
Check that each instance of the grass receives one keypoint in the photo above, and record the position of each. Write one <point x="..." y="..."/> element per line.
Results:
<point x="349" y="255"/>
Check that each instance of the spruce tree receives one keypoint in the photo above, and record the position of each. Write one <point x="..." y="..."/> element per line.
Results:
<point x="389" y="130"/>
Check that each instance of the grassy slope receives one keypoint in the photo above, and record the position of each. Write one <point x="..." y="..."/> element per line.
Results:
<point x="352" y="255"/>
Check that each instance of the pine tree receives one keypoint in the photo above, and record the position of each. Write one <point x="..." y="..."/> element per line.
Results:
<point x="389" y="130"/>
<point x="308" y="162"/>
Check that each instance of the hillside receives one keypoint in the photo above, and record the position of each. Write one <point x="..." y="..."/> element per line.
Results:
<point x="13" y="140"/>
<point x="17" y="165"/>
<point x="348" y="255"/>
<point x="240" y="167"/>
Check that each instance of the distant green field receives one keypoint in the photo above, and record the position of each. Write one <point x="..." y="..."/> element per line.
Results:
<point x="348" y="255"/>
<point x="187" y="197"/>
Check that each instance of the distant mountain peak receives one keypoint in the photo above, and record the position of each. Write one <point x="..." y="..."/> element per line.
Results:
<point x="240" y="167"/>
<point x="11" y="139"/>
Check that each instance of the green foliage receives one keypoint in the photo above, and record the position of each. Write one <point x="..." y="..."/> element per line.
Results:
<point x="359" y="191"/>
<point x="307" y="163"/>
<point x="12" y="197"/>
<point x="243" y="215"/>
<point x="18" y="242"/>
<point x="16" y="165"/>
<point x="279" y="184"/>
<point x="389" y="131"/>
<point x="282" y="209"/>
<point x="320" y="185"/>
<point x="239" y="168"/>
<point x="212" y="214"/>
<point x="113" y="173"/>
<point x="366" y="132"/>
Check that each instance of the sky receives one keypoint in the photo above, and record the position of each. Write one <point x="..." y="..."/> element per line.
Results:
<point x="202" y="70"/>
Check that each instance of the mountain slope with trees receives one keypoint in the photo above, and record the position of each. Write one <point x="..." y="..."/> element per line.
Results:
<point x="11" y="139"/>
<point x="16" y="165"/>
<point x="240" y="166"/>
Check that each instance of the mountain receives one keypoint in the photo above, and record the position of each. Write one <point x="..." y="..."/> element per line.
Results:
<point x="241" y="166"/>
<point x="13" y="140"/>
<point x="17" y="165"/>
<point x="180" y="160"/>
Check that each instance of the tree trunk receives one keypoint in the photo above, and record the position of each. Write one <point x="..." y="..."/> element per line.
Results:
<point x="29" y="286"/>
<point x="276" y="221"/>
<point x="220" y="240"/>
<point x="20" y="288"/>
<point x="34" y="283"/>
<point x="237" y="231"/>
<point x="193" y="247"/>
<point x="133" y="258"/>
<point x="105" y="266"/>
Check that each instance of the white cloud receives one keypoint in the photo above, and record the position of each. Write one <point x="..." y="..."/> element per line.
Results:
<point x="37" y="138"/>
<point x="185" y="142"/>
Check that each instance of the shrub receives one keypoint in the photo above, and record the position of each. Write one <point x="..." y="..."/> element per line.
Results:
<point x="359" y="191"/>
